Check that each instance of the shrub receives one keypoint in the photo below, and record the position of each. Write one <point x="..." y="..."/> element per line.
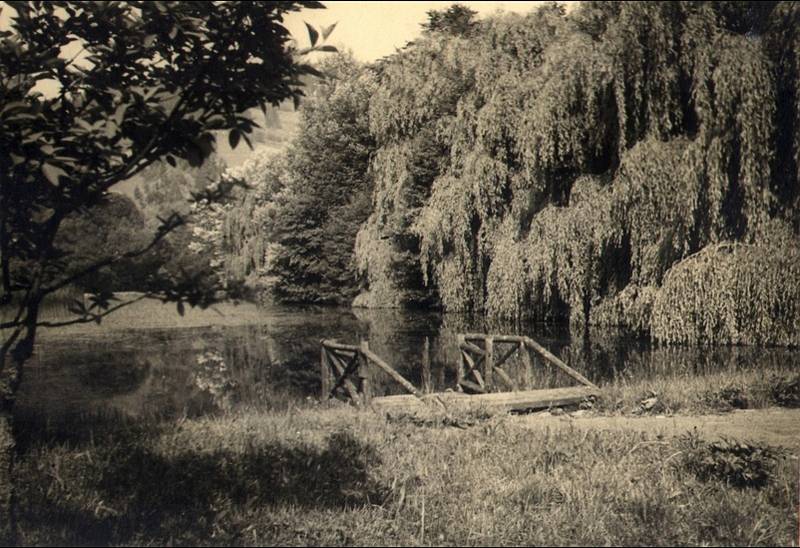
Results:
<point x="731" y="397"/>
<point x="786" y="392"/>
<point x="631" y="308"/>
<point x="731" y="294"/>
<point x="734" y="463"/>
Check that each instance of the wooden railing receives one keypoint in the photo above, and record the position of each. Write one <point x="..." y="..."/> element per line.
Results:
<point x="479" y="370"/>
<point x="344" y="370"/>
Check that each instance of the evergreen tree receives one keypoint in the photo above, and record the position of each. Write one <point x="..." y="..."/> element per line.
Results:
<point x="326" y="196"/>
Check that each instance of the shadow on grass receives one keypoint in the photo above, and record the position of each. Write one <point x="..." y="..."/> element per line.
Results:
<point x="81" y="428"/>
<point x="127" y="491"/>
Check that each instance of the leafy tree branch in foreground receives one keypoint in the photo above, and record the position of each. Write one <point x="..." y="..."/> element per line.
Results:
<point x="148" y="81"/>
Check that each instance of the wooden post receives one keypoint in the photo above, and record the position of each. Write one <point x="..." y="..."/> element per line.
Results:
<point x="427" y="382"/>
<point x="365" y="385"/>
<point x="366" y="391"/>
<point x="460" y="373"/>
<point x="325" y="374"/>
<point x="488" y="364"/>
<point x="525" y="353"/>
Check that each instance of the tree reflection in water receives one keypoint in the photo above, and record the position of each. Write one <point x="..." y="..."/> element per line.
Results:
<point x="170" y="373"/>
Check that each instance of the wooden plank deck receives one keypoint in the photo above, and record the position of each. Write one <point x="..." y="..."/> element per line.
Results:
<point x="507" y="401"/>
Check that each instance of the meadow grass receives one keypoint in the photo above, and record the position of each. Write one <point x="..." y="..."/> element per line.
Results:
<point x="705" y="393"/>
<point x="333" y="475"/>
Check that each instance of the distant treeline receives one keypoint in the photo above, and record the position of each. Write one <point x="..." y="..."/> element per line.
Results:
<point x="633" y="163"/>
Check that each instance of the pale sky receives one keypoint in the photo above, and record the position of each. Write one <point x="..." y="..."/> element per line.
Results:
<point x="372" y="30"/>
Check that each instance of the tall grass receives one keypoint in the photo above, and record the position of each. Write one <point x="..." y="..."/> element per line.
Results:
<point x="707" y="393"/>
<point x="336" y="476"/>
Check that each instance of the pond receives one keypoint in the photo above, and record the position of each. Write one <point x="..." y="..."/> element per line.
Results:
<point x="146" y="360"/>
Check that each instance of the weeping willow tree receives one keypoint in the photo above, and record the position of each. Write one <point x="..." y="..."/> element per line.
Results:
<point x="409" y="116"/>
<point x="442" y="120"/>
<point x="585" y="158"/>
<point x="742" y="294"/>
<point x="241" y="226"/>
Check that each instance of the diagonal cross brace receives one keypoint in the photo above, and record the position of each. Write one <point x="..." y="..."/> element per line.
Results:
<point x="344" y="371"/>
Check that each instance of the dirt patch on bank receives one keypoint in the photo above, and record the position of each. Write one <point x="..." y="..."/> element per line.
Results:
<point x="774" y="426"/>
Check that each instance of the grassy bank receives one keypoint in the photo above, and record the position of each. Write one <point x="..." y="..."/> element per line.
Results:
<point x="707" y="393"/>
<point x="337" y="476"/>
<point x="149" y="313"/>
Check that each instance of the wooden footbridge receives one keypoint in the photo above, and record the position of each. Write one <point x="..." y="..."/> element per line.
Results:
<point x="482" y="379"/>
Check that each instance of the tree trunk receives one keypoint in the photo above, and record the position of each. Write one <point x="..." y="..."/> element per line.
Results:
<point x="8" y="385"/>
<point x="12" y="359"/>
<point x="8" y="525"/>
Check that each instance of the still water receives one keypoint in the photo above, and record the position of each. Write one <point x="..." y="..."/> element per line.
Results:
<point x="148" y="360"/>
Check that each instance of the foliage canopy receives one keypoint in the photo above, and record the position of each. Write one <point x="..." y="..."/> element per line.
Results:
<point x="147" y="81"/>
<point x="553" y="164"/>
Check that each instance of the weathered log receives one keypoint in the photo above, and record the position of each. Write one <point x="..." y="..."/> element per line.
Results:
<point x="546" y="354"/>
<point x="473" y="369"/>
<point x="472" y="387"/>
<point x="374" y="358"/>
<point x="508" y="401"/>
<point x="344" y="354"/>
<point x="506" y="379"/>
<point x="507" y="355"/>
<point x="333" y="345"/>
<point x="496" y="338"/>
<point x="474" y="348"/>
<point x="346" y="362"/>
